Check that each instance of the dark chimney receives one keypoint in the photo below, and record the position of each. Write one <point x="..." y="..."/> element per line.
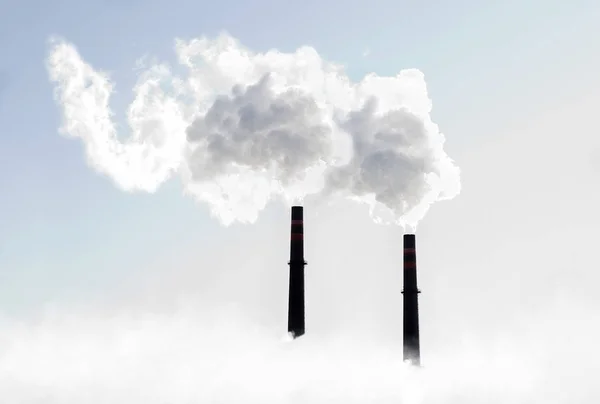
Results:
<point x="297" y="263"/>
<point x="412" y="349"/>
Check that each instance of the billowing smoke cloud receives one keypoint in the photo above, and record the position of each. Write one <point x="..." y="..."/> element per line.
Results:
<point x="242" y="128"/>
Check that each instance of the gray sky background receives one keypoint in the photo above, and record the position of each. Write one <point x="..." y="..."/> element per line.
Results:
<point x="508" y="269"/>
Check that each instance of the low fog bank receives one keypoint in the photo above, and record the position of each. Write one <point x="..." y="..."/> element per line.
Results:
<point x="192" y="352"/>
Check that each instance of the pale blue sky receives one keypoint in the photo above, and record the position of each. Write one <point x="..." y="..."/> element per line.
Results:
<point x="66" y="232"/>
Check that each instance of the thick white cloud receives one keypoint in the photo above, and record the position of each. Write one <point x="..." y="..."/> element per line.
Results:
<point x="242" y="128"/>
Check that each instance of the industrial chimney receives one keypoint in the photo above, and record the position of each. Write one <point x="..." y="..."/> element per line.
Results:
<point x="297" y="263"/>
<point x="412" y="349"/>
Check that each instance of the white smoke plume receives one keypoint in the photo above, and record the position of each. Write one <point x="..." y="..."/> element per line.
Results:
<point x="242" y="128"/>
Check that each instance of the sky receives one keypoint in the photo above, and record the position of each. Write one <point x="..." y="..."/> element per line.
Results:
<point x="507" y="268"/>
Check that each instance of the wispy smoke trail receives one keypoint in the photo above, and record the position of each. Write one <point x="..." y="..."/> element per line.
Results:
<point x="242" y="128"/>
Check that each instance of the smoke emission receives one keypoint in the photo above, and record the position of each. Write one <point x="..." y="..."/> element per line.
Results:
<point x="242" y="128"/>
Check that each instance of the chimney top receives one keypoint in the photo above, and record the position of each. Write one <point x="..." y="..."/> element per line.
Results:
<point x="297" y="213"/>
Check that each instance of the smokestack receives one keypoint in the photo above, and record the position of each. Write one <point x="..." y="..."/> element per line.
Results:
<point x="297" y="263"/>
<point x="412" y="349"/>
